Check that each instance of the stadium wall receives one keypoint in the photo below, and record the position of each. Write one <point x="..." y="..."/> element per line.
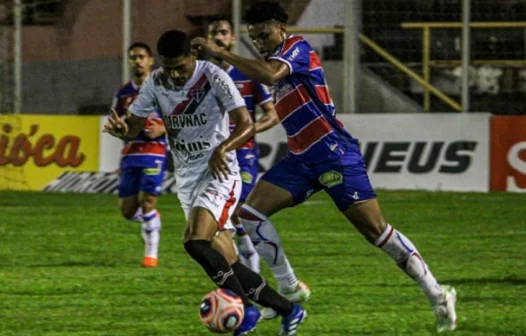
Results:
<point x="449" y="152"/>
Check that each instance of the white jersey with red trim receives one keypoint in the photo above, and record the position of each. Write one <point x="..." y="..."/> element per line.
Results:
<point x="195" y="115"/>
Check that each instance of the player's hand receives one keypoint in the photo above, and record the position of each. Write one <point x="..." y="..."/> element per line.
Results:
<point x="154" y="130"/>
<point x="207" y="45"/>
<point x="116" y="125"/>
<point x="218" y="165"/>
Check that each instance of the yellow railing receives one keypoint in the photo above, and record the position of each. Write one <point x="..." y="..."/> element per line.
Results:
<point x="388" y="57"/>
<point x="426" y="47"/>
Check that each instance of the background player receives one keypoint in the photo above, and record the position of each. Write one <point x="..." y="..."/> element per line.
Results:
<point x="322" y="154"/>
<point x="196" y="99"/>
<point x="143" y="158"/>
<point x="254" y="93"/>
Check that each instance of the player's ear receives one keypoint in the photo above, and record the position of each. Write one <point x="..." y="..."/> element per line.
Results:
<point x="193" y="53"/>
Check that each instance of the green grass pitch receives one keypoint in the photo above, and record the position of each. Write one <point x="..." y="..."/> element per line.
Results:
<point x="70" y="266"/>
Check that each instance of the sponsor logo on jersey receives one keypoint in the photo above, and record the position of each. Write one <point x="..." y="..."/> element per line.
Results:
<point x="186" y="120"/>
<point x="223" y="86"/>
<point x="246" y="177"/>
<point x="295" y="53"/>
<point x="191" y="151"/>
<point x="330" y="178"/>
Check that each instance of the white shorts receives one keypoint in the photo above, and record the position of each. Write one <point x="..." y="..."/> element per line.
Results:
<point x="220" y="198"/>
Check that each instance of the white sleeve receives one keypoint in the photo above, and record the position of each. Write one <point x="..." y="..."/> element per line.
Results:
<point x="225" y="90"/>
<point x="145" y="102"/>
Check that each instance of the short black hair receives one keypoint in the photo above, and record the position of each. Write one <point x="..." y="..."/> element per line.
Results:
<point x="141" y="45"/>
<point x="265" y="11"/>
<point x="174" y="43"/>
<point x="227" y="20"/>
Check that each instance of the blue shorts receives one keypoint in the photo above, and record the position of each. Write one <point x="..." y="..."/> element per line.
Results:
<point x="135" y="179"/>
<point x="248" y="168"/>
<point x="344" y="179"/>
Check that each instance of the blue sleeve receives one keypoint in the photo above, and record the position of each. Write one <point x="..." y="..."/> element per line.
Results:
<point x="262" y="94"/>
<point x="296" y="56"/>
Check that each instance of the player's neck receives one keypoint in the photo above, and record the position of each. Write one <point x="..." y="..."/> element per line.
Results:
<point x="138" y="80"/>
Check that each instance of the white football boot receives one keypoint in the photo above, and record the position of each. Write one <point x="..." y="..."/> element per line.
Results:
<point x="445" y="310"/>
<point x="300" y="294"/>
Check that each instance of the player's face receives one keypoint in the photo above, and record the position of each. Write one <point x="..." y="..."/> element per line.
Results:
<point x="267" y="36"/>
<point x="180" y="69"/>
<point x="140" y="62"/>
<point x="221" y="34"/>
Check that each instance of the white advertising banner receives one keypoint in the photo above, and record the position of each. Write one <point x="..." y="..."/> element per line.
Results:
<point x="436" y="151"/>
<point x="439" y="151"/>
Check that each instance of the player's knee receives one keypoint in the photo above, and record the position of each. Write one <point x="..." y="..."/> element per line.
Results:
<point x="191" y="236"/>
<point x="226" y="247"/>
<point x="147" y="203"/>
<point x="249" y="214"/>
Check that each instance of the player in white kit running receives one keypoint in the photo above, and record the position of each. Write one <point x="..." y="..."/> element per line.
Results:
<point x="195" y="99"/>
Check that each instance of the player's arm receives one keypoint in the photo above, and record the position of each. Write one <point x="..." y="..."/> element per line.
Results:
<point x="243" y="130"/>
<point x="264" y="99"/>
<point x="269" y="118"/>
<point x="268" y="72"/>
<point x="230" y="99"/>
<point x="125" y="127"/>
<point x="141" y="108"/>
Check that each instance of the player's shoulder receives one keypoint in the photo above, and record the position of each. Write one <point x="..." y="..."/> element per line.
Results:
<point x="294" y="44"/>
<point x="156" y="77"/>
<point x="209" y="68"/>
<point x="127" y="89"/>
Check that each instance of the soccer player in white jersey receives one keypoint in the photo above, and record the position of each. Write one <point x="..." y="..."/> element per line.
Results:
<point x="195" y="99"/>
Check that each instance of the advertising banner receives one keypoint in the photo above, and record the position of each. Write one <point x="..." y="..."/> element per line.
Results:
<point x="411" y="151"/>
<point x="34" y="149"/>
<point x="508" y="153"/>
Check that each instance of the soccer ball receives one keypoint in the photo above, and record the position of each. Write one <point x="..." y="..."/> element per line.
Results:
<point x="221" y="311"/>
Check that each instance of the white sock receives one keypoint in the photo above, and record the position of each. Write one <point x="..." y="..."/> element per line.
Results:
<point x="404" y="252"/>
<point x="151" y="233"/>
<point x="250" y="257"/>
<point x="267" y="243"/>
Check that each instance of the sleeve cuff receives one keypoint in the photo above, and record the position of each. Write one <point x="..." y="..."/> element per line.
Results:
<point x="281" y="59"/>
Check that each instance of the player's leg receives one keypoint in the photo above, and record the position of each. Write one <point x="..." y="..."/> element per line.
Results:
<point x="257" y="289"/>
<point x="150" y="188"/>
<point x="249" y="168"/>
<point x="281" y="187"/>
<point x="348" y="185"/>
<point x="130" y="209"/>
<point x="201" y="230"/>
<point x="151" y="228"/>
<point x="129" y="179"/>
<point x="247" y="252"/>
<point x="368" y="219"/>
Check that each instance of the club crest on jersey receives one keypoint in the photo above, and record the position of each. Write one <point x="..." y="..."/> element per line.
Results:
<point x="197" y="94"/>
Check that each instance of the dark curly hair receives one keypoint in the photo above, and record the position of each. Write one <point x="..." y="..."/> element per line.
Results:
<point x="174" y="43"/>
<point x="265" y="11"/>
